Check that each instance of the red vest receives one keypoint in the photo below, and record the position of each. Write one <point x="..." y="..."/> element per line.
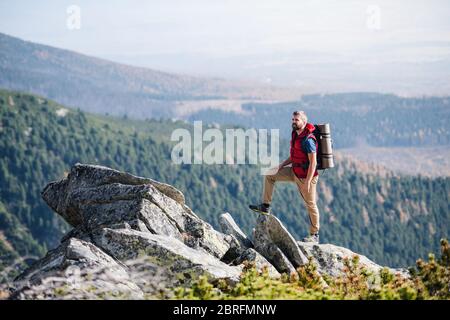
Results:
<point x="298" y="155"/>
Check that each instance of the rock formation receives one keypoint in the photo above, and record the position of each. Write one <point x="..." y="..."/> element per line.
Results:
<point x="132" y="233"/>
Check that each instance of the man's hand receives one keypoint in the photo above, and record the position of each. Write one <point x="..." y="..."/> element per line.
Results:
<point x="308" y="185"/>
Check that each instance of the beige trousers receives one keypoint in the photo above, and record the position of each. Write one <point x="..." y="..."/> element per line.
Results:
<point x="309" y="198"/>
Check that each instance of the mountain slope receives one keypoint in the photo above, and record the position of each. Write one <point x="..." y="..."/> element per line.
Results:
<point x="392" y="219"/>
<point x="101" y="86"/>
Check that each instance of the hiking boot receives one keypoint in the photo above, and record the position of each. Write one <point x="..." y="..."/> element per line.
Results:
<point x="312" y="238"/>
<point x="262" y="208"/>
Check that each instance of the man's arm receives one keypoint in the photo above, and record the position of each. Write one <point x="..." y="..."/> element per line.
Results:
<point x="312" y="167"/>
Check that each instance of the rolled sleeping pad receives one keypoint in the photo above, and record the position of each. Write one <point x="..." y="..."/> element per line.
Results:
<point x="325" y="143"/>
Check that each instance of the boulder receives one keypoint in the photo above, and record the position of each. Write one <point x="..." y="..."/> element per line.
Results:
<point x="329" y="259"/>
<point x="93" y="197"/>
<point x="229" y="226"/>
<point x="277" y="245"/>
<point x="251" y="255"/>
<point x="177" y="258"/>
<point x="76" y="266"/>
<point x="129" y="233"/>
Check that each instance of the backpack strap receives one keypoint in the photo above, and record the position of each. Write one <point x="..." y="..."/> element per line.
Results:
<point x="311" y="135"/>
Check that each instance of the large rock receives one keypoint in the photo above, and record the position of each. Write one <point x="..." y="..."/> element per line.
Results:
<point x="277" y="245"/>
<point x="329" y="259"/>
<point x="64" y="268"/>
<point x="86" y="176"/>
<point x="239" y="242"/>
<point x="251" y="255"/>
<point x="94" y="197"/>
<point x="229" y="226"/>
<point x="134" y="236"/>
<point x="179" y="259"/>
<point x="119" y="219"/>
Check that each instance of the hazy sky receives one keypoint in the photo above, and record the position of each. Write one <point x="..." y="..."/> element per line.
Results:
<point x="342" y="45"/>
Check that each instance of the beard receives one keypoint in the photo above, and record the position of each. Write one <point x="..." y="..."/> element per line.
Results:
<point x="295" y="127"/>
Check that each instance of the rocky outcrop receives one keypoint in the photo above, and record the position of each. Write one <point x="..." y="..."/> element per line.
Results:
<point x="329" y="259"/>
<point x="117" y="218"/>
<point x="277" y="245"/>
<point x="129" y="244"/>
<point x="65" y="267"/>
<point x="132" y="237"/>
<point x="93" y="197"/>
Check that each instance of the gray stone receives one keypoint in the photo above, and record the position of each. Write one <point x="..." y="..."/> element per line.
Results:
<point x="251" y="255"/>
<point x="71" y="266"/>
<point x="329" y="259"/>
<point x="117" y="218"/>
<point x="236" y="249"/>
<point x="276" y="244"/>
<point x="163" y="251"/>
<point x="229" y="226"/>
<point x="85" y="176"/>
<point x="134" y="236"/>
<point x="94" y="197"/>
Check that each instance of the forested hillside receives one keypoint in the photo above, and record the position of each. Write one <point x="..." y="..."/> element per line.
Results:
<point x="393" y="220"/>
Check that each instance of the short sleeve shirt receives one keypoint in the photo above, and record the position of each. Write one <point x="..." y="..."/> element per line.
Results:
<point x="309" y="145"/>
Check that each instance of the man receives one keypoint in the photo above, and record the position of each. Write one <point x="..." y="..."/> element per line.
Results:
<point x="303" y="172"/>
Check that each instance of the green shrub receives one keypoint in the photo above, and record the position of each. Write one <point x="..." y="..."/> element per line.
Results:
<point x="429" y="281"/>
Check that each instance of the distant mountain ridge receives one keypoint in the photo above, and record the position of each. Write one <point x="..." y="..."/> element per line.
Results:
<point x="102" y="86"/>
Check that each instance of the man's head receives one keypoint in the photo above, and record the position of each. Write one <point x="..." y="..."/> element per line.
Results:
<point x="299" y="120"/>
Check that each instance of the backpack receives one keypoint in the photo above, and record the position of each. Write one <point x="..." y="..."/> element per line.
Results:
<point x="322" y="135"/>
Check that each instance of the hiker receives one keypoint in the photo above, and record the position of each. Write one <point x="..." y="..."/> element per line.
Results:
<point x="303" y="172"/>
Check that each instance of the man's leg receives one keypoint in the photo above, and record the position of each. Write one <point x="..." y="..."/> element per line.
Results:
<point x="284" y="174"/>
<point x="309" y="199"/>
